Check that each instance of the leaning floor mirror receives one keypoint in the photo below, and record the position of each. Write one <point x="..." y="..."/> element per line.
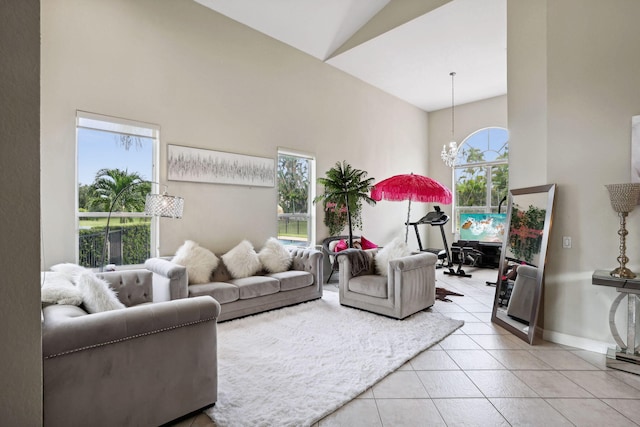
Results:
<point x="521" y="270"/>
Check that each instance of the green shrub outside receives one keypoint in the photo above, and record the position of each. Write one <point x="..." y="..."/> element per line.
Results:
<point x="292" y="228"/>
<point x="136" y="241"/>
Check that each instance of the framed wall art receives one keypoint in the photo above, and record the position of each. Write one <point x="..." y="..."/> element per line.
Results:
<point x="218" y="167"/>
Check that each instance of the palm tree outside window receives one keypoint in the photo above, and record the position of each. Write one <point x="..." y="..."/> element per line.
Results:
<point x="113" y="155"/>
<point x="481" y="174"/>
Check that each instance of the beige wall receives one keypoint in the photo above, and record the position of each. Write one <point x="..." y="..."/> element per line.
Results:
<point x="210" y="82"/>
<point x="577" y="127"/>
<point x="527" y="88"/>
<point x="21" y="367"/>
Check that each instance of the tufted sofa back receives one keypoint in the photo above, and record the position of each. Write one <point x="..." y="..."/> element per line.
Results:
<point x="133" y="286"/>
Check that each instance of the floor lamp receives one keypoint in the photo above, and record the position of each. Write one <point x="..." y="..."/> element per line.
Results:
<point x="162" y="205"/>
<point x="624" y="198"/>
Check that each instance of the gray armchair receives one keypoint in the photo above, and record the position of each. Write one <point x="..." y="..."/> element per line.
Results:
<point x="523" y="293"/>
<point x="409" y="287"/>
<point x="143" y="365"/>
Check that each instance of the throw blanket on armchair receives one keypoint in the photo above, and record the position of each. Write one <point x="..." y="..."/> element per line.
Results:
<point x="357" y="257"/>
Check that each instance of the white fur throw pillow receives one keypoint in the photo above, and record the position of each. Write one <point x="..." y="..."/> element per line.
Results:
<point x="57" y="289"/>
<point x="275" y="258"/>
<point x="200" y="262"/>
<point x="396" y="249"/>
<point x="242" y="261"/>
<point x="97" y="296"/>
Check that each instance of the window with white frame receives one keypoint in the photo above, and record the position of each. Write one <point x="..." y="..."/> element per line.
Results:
<point x="481" y="176"/>
<point x="115" y="163"/>
<point x="296" y="174"/>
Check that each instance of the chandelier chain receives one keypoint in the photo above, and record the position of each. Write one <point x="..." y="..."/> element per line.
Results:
<point x="453" y="105"/>
<point x="450" y="153"/>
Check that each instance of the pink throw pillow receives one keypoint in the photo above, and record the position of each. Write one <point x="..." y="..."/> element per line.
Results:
<point x="366" y="244"/>
<point x="341" y="246"/>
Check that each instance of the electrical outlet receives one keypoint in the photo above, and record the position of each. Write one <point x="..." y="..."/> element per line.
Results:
<point x="566" y="242"/>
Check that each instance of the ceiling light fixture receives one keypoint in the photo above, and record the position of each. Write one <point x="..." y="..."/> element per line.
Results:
<point x="450" y="153"/>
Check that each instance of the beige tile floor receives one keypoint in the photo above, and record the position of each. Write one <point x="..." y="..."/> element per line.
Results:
<point x="483" y="376"/>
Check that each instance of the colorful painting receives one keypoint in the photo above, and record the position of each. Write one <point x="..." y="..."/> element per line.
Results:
<point x="484" y="227"/>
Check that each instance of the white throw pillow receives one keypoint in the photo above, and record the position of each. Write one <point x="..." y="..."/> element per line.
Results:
<point x="97" y="296"/>
<point x="200" y="262"/>
<point x="58" y="289"/>
<point x="274" y="256"/>
<point x="242" y="261"/>
<point x="396" y="249"/>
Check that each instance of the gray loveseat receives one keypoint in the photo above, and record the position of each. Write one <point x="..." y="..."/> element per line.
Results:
<point x="250" y="295"/>
<point x="144" y="365"/>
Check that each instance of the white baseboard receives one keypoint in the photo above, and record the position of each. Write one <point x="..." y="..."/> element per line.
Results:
<point x="578" y="342"/>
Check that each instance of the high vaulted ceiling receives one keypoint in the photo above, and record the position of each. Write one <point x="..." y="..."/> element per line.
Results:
<point x="407" y="48"/>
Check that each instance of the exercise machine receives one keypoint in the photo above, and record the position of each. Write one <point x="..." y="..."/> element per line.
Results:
<point x="465" y="251"/>
<point x="435" y="218"/>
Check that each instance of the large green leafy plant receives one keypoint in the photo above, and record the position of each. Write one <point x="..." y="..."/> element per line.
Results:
<point x="526" y="229"/>
<point x="345" y="189"/>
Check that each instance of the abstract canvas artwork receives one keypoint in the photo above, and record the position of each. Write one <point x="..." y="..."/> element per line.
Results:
<point x="200" y="165"/>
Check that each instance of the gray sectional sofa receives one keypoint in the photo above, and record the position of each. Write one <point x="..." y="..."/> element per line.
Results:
<point x="143" y="365"/>
<point x="249" y="295"/>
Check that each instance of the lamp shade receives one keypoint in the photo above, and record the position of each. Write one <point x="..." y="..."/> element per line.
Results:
<point x="164" y="205"/>
<point x="624" y="197"/>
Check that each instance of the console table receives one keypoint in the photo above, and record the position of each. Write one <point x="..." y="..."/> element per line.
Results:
<point x="626" y="356"/>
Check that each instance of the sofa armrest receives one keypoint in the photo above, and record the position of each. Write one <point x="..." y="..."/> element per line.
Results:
<point x="413" y="277"/>
<point x="311" y="260"/>
<point x="176" y="275"/>
<point x="410" y="262"/>
<point x="67" y="329"/>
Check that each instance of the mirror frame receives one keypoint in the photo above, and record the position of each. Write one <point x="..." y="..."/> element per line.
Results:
<point x="529" y="337"/>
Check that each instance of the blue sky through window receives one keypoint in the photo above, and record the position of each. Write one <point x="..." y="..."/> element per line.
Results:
<point x="98" y="149"/>
<point x="490" y="141"/>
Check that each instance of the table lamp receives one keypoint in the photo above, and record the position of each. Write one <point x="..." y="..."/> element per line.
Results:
<point x="624" y="198"/>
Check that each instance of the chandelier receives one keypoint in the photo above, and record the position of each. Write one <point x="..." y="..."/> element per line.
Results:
<point x="450" y="152"/>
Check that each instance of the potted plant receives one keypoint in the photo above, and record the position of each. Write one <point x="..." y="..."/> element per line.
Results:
<point x="345" y="188"/>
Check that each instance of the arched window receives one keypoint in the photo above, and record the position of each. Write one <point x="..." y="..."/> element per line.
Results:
<point x="481" y="177"/>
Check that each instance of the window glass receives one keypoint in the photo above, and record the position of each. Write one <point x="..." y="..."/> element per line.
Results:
<point x="481" y="176"/>
<point x="115" y="170"/>
<point x="295" y="175"/>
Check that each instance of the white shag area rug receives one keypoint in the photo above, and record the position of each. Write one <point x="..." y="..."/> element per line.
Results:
<point x="293" y="366"/>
